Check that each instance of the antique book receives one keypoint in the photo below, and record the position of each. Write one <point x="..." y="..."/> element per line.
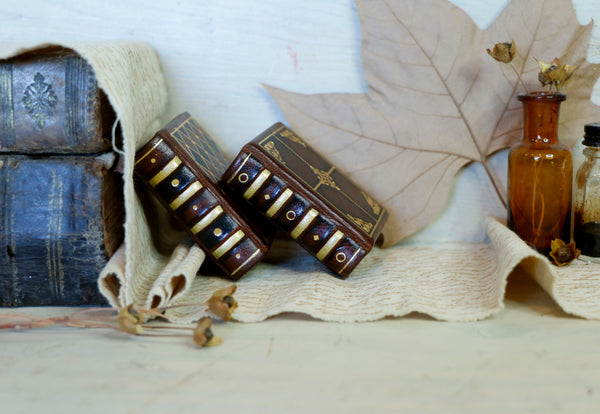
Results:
<point x="50" y="102"/>
<point x="307" y="197"/>
<point x="181" y="165"/>
<point x="60" y="218"/>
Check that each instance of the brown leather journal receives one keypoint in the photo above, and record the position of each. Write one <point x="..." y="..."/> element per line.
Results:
<point x="181" y="166"/>
<point x="307" y="197"/>
<point x="50" y="102"/>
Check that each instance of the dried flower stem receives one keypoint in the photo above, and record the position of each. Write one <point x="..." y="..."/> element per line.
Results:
<point x="130" y="320"/>
<point x="512" y="65"/>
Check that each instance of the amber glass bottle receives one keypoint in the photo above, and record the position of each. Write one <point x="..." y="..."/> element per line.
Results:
<point x="540" y="171"/>
<point x="587" y="195"/>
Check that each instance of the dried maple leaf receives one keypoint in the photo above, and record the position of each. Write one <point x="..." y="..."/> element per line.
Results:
<point x="436" y="101"/>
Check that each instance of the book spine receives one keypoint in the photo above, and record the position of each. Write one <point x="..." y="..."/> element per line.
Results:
<point x="312" y="227"/>
<point x="203" y="212"/>
<point x="51" y="104"/>
<point x="51" y="230"/>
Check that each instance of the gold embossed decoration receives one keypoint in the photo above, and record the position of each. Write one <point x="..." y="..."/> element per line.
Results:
<point x="318" y="174"/>
<point x="39" y="100"/>
<point x="376" y="207"/>
<point x="324" y="178"/>
<point x="270" y="146"/>
<point x="292" y="137"/>
<point x="366" y="226"/>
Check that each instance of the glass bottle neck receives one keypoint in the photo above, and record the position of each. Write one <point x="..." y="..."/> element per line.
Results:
<point x="540" y="117"/>
<point x="592" y="152"/>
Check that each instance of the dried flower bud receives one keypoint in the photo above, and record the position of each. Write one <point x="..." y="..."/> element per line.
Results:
<point x="503" y="52"/>
<point x="544" y="80"/>
<point x="222" y="304"/>
<point x="129" y="320"/>
<point x="203" y="335"/>
<point x="555" y="73"/>
<point x="562" y="254"/>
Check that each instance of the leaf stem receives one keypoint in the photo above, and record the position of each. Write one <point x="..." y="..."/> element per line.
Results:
<point x="495" y="183"/>
<point x="512" y="65"/>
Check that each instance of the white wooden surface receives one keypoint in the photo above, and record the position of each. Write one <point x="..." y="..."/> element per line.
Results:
<point x="530" y="358"/>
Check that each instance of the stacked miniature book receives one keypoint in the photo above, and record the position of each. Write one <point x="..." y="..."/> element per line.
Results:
<point x="57" y="193"/>
<point x="277" y="176"/>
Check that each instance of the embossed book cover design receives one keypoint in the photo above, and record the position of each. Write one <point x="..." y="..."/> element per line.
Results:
<point x="50" y="102"/>
<point x="306" y="196"/>
<point x="181" y="166"/>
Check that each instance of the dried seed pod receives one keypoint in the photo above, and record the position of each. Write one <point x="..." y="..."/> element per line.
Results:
<point x="555" y="73"/>
<point x="129" y="320"/>
<point x="203" y="335"/>
<point x="222" y="304"/>
<point x="544" y="80"/>
<point x="503" y="52"/>
<point x="562" y="254"/>
<point x="544" y="67"/>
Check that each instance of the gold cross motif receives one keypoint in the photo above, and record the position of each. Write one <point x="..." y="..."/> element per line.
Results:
<point x="325" y="178"/>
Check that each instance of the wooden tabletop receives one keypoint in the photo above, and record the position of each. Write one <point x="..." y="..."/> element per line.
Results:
<point x="529" y="358"/>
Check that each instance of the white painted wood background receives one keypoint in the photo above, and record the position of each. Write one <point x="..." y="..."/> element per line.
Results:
<point x="215" y="55"/>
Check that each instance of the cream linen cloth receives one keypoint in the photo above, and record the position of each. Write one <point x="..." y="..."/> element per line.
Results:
<point x="457" y="282"/>
<point x="154" y="267"/>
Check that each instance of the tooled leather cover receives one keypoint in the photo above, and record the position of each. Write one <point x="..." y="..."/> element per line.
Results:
<point x="305" y="196"/>
<point x="50" y="102"/>
<point x="320" y="178"/>
<point x="201" y="160"/>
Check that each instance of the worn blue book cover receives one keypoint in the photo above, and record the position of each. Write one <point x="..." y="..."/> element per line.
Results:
<point x="53" y="239"/>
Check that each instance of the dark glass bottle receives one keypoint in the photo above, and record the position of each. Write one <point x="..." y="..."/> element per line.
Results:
<point x="540" y="173"/>
<point x="587" y="195"/>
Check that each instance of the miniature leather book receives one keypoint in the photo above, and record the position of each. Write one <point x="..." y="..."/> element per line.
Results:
<point x="181" y="166"/>
<point x="50" y="102"/>
<point x="307" y="197"/>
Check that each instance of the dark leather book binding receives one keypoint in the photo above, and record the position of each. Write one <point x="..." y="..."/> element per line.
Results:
<point x="307" y="197"/>
<point x="181" y="165"/>
<point x="60" y="218"/>
<point x="61" y="207"/>
<point x="50" y="102"/>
